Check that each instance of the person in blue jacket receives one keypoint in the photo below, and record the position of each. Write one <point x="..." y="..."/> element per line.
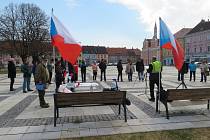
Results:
<point x="192" y="67"/>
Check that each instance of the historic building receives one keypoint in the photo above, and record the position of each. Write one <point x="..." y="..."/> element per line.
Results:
<point x="197" y="42"/>
<point x="94" y="53"/>
<point x="116" y="54"/>
<point x="150" y="48"/>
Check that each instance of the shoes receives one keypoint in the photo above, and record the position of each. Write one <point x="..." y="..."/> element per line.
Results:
<point x="44" y="106"/>
<point x="152" y="99"/>
<point x="30" y="90"/>
<point x="24" y="91"/>
<point x="12" y="89"/>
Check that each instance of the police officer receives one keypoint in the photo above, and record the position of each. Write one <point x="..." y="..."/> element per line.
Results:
<point x="154" y="70"/>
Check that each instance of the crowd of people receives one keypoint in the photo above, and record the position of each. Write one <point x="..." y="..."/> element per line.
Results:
<point x="42" y="71"/>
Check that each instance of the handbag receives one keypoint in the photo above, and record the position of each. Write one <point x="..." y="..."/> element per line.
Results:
<point x="40" y="86"/>
<point x="207" y="73"/>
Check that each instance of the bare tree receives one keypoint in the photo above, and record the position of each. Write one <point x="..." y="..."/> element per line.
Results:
<point x="26" y="27"/>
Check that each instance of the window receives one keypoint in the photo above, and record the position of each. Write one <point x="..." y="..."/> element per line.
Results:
<point x="208" y="48"/>
<point x="200" y="49"/>
<point x="194" y="50"/>
<point x="208" y="36"/>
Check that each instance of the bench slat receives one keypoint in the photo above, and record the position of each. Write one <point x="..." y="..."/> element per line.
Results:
<point x="63" y="99"/>
<point x="188" y="94"/>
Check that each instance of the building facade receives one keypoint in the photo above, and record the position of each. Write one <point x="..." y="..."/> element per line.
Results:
<point x="116" y="54"/>
<point x="94" y="54"/>
<point x="197" y="42"/>
<point x="150" y="48"/>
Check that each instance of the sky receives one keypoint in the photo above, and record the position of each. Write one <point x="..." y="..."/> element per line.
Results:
<point x="121" y="23"/>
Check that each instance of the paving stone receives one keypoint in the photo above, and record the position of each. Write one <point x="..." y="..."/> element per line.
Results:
<point x="36" y="129"/>
<point x="4" y="131"/>
<point x="32" y="136"/>
<point x="70" y="134"/>
<point x="105" y="131"/>
<point x="103" y="124"/>
<point x="18" y="130"/>
<point x="50" y="135"/>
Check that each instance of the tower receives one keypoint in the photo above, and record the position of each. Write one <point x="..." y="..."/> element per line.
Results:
<point x="155" y="32"/>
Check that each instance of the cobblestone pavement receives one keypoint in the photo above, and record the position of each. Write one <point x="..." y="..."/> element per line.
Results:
<point x="22" y="118"/>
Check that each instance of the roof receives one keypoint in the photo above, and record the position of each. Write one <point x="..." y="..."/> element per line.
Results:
<point x="116" y="51"/>
<point x="134" y="52"/>
<point x="88" y="49"/>
<point x="137" y="51"/>
<point x="100" y="50"/>
<point x="202" y="26"/>
<point x="181" y="33"/>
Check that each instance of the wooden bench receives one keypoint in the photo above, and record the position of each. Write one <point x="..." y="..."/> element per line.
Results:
<point x="183" y="94"/>
<point x="62" y="100"/>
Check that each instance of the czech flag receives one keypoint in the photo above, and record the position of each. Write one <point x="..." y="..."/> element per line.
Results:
<point x="62" y="39"/>
<point x="168" y="41"/>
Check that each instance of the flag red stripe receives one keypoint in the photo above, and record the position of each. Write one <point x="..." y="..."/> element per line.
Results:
<point x="69" y="52"/>
<point x="178" y="56"/>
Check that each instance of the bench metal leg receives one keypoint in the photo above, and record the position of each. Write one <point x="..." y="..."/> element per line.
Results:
<point x="208" y="105"/>
<point x="167" y="114"/>
<point x="119" y="109"/>
<point x="124" y="106"/>
<point x="55" y="116"/>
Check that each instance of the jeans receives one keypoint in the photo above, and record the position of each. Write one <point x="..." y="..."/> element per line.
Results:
<point x="41" y="97"/>
<point x="119" y="76"/>
<point x="83" y="74"/>
<point x="130" y="77"/>
<point x="203" y="76"/>
<point x="103" y="73"/>
<point x="26" y="83"/>
<point x="12" y="80"/>
<point x="141" y="75"/>
<point x="192" y="73"/>
<point x="94" y="75"/>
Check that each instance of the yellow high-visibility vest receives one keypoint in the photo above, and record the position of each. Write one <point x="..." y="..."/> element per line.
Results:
<point x="156" y="67"/>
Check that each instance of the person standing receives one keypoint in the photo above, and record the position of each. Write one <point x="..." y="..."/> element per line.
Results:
<point x="95" y="69"/>
<point x="192" y="67"/>
<point x="26" y="70"/>
<point x="42" y="77"/>
<point x="204" y="71"/>
<point x="63" y="66"/>
<point x="83" y="70"/>
<point x="102" y="66"/>
<point x="50" y="70"/>
<point x="154" y="70"/>
<point x="140" y="69"/>
<point x="58" y="75"/>
<point x="129" y="70"/>
<point x="119" y="69"/>
<point x="11" y="72"/>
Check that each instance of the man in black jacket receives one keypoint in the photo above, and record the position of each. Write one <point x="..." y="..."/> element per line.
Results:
<point x="102" y="66"/>
<point x="11" y="72"/>
<point x="120" y="69"/>
<point x="140" y="69"/>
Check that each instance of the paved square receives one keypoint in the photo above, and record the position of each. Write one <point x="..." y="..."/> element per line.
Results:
<point x="21" y="117"/>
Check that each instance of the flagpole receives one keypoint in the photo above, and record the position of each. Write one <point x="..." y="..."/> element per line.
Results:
<point x="159" y="72"/>
<point x="54" y="58"/>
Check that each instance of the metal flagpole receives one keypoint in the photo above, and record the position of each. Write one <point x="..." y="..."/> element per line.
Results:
<point x="54" y="61"/>
<point x="159" y="72"/>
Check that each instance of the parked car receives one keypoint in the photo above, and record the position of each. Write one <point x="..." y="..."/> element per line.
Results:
<point x="198" y="64"/>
